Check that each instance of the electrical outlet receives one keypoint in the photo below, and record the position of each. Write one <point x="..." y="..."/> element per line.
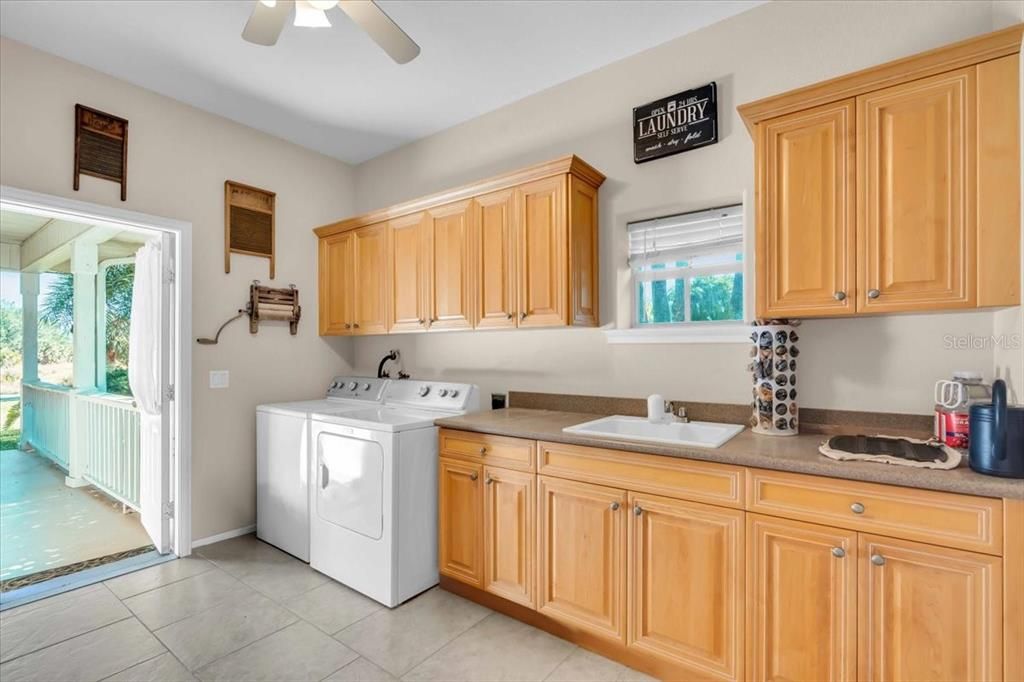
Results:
<point x="219" y="378"/>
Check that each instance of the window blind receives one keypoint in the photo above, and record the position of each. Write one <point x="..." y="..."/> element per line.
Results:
<point x="685" y="236"/>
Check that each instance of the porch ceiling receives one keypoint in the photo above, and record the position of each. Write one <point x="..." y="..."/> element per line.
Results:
<point x="43" y="241"/>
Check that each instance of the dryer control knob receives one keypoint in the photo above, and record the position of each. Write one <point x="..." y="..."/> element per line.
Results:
<point x="424" y="390"/>
<point x="443" y="392"/>
<point x="454" y="393"/>
<point x="352" y="386"/>
<point x="366" y="386"/>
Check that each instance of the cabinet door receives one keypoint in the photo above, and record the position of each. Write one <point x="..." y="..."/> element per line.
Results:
<point x="928" y="613"/>
<point x="410" y="273"/>
<point x="806" y="228"/>
<point x="543" y="264"/>
<point x="916" y="221"/>
<point x="510" y="540"/>
<point x="583" y="555"/>
<point x="801" y="601"/>
<point x="371" y="280"/>
<point x="583" y="257"/>
<point x="686" y="584"/>
<point x="494" y="247"/>
<point x="450" y="273"/>
<point x="336" y="286"/>
<point x="459" y="525"/>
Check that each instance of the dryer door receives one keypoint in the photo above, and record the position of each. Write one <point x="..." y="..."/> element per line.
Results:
<point x="350" y="483"/>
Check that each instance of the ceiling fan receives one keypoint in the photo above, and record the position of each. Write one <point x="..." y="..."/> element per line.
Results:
<point x="269" y="16"/>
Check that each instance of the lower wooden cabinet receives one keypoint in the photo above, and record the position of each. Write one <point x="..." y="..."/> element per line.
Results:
<point x="583" y="555"/>
<point x="928" y="613"/>
<point x="686" y="584"/>
<point x="459" y="521"/>
<point x="510" y="506"/>
<point x="684" y="589"/>
<point x="801" y="601"/>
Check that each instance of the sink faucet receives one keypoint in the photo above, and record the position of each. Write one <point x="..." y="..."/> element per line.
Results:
<point x="680" y="414"/>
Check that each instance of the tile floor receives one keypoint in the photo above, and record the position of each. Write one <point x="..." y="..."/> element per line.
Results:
<point x="47" y="524"/>
<point x="242" y="610"/>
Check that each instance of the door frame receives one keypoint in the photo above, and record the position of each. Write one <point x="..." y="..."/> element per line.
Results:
<point x="26" y="201"/>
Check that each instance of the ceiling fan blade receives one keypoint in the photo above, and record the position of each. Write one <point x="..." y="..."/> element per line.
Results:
<point x="384" y="31"/>
<point x="265" y="23"/>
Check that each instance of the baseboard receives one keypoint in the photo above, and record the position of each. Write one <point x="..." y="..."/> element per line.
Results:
<point x="226" y="535"/>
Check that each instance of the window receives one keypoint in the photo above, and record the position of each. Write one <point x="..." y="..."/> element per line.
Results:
<point x="688" y="268"/>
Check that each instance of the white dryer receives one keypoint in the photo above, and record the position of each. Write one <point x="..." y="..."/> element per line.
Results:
<point x="283" y="460"/>
<point x="373" y="505"/>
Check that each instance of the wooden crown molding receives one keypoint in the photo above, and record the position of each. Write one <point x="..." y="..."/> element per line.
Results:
<point x="567" y="164"/>
<point x="958" y="55"/>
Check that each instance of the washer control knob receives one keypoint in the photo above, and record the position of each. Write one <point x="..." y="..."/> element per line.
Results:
<point x="352" y="386"/>
<point x="366" y="386"/>
<point x="424" y="390"/>
<point x="454" y="393"/>
<point x="443" y="392"/>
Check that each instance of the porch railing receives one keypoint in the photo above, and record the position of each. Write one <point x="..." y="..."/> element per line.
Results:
<point x="107" y="430"/>
<point x="46" y="421"/>
<point x="93" y="435"/>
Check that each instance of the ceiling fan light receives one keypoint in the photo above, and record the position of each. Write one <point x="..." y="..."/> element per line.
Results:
<point x="323" y="5"/>
<point x="308" y="16"/>
<point x="269" y="3"/>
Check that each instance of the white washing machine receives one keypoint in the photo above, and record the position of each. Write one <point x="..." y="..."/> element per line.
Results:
<point x="283" y="460"/>
<point x="373" y="522"/>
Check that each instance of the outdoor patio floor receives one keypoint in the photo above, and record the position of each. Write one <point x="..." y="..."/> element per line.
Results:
<point x="44" y="524"/>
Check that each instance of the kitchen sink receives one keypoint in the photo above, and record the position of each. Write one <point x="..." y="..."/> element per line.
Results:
<point x="697" y="434"/>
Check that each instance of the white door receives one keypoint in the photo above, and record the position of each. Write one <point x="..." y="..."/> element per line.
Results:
<point x="350" y="483"/>
<point x="155" y="467"/>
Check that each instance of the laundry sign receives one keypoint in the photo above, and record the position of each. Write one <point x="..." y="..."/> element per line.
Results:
<point x="674" y="124"/>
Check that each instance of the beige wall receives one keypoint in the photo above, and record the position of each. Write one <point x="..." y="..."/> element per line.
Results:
<point x="178" y="159"/>
<point x="886" y="363"/>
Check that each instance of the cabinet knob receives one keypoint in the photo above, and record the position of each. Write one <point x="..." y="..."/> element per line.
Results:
<point x="615" y="506"/>
<point x="422" y="321"/>
<point x="857" y="508"/>
<point x="473" y="476"/>
<point x="637" y="510"/>
<point x="878" y="559"/>
<point x="488" y="480"/>
<point x="356" y="325"/>
<point x="874" y="293"/>
<point x="483" y="449"/>
<point x="839" y="295"/>
<point x="522" y="316"/>
<point x="838" y="552"/>
<point x="348" y="326"/>
<point x="509" y="316"/>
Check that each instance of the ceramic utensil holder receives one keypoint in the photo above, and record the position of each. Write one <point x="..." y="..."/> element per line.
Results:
<point x="773" y="367"/>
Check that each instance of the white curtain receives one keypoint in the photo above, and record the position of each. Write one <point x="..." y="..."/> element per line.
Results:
<point x="144" y="379"/>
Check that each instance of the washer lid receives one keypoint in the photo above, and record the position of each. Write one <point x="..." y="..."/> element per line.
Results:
<point x="381" y="418"/>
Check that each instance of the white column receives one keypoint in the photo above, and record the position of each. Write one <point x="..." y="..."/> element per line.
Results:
<point x="29" y="345"/>
<point x="84" y="266"/>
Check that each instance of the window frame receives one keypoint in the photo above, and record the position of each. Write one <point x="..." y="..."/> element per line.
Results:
<point x="711" y="331"/>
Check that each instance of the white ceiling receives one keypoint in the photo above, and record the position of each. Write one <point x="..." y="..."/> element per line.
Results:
<point x="334" y="90"/>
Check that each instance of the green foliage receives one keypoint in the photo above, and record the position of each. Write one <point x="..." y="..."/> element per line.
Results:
<point x="119" y="312"/>
<point x="55" y="345"/>
<point x="12" y="416"/>
<point x="714" y="297"/>
<point x="10" y="334"/>
<point x="58" y="306"/>
<point x="117" y="381"/>
<point x="9" y="439"/>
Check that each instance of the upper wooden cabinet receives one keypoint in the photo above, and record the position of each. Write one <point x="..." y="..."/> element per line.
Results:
<point x="409" y="273"/>
<point x="451" y="276"/>
<point x="916" y="228"/>
<point x="336" y="284"/>
<point x="892" y="189"/>
<point x="370" y="280"/>
<point x="494" y="249"/>
<point x="519" y="250"/>
<point x="807" y="214"/>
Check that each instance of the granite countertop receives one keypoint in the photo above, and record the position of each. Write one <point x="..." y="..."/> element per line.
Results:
<point x="794" y="453"/>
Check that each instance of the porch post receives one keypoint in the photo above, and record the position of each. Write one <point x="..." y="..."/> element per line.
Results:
<point x="84" y="266"/>
<point x="29" y="346"/>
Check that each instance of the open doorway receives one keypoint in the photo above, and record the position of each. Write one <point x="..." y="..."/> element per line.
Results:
<point x="91" y="429"/>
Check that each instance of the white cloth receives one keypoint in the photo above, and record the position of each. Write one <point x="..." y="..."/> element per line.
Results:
<point x="144" y="379"/>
